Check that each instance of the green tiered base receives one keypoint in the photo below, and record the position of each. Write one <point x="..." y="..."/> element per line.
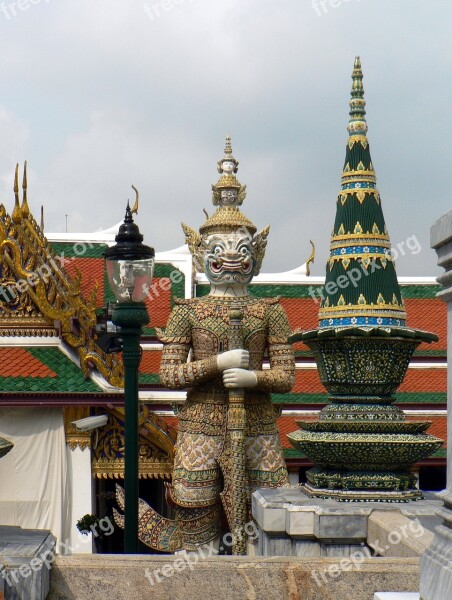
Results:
<point x="362" y="446"/>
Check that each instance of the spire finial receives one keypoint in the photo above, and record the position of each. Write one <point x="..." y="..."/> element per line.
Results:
<point x="228" y="148"/>
<point x="24" y="208"/>
<point x="17" y="213"/>
<point x="228" y="191"/>
<point x="357" y="123"/>
<point x="42" y="218"/>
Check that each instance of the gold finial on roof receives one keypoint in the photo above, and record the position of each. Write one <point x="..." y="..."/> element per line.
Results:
<point x="137" y="198"/>
<point x="310" y="259"/>
<point x="17" y="213"/>
<point x="42" y="217"/>
<point x="25" y="209"/>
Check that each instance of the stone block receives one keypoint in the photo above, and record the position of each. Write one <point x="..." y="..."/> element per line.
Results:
<point x="135" y="577"/>
<point x="441" y="231"/>
<point x="341" y="528"/>
<point x="344" y="550"/>
<point x="306" y="548"/>
<point x="270" y="516"/>
<point x="273" y="545"/>
<point x="24" y="553"/>
<point x="390" y="533"/>
<point x="301" y="521"/>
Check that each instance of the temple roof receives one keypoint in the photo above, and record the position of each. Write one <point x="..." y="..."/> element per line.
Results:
<point x="40" y="298"/>
<point x="41" y="369"/>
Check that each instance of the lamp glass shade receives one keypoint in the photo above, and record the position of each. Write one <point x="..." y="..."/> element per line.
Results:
<point x="130" y="279"/>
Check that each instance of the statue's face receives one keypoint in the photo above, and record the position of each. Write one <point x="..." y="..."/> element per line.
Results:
<point x="229" y="257"/>
<point x="228" y="166"/>
<point x="229" y="197"/>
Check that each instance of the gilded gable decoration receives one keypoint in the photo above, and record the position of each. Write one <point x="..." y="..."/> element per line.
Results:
<point x="39" y="297"/>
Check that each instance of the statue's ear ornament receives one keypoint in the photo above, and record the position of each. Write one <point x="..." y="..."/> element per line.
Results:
<point x="194" y="241"/>
<point x="259" y="245"/>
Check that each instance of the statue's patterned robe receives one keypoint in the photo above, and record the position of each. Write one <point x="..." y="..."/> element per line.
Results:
<point x="198" y="328"/>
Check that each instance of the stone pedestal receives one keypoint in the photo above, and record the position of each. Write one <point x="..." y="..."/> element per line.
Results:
<point x="293" y="524"/>
<point x="26" y="557"/>
<point x="436" y="563"/>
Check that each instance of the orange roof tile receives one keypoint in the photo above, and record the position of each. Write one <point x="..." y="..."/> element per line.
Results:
<point x="302" y="312"/>
<point x="150" y="361"/>
<point x="17" y="362"/>
<point x="158" y="303"/>
<point x="429" y="314"/>
<point x="307" y="381"/>
<point x="288" y="425"/>
<point x="92" y="271"/>
<point x="424" y="380"/>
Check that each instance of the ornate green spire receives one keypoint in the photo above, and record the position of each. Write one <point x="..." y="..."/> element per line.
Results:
<point x="357" y="123"/>
<point x="361" y="285"/>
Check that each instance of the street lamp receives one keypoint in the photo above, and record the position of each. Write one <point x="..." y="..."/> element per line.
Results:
<point x="130" y="266"/>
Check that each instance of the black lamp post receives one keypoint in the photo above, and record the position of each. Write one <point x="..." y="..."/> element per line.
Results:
<point x="130" y="266"/>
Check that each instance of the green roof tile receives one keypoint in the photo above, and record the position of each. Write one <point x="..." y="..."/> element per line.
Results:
<point x="69" y="378"/>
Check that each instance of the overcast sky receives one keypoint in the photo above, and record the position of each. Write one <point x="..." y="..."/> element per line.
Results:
<point x="101" y="94"/>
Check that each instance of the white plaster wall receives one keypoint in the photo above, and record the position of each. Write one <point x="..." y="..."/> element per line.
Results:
<point x="79" y="464"/>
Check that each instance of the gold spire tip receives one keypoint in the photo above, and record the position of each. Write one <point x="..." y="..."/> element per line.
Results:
<point x="24" y="182"/>
<point x="16" y="180"/>
<point x="228" y="148"/>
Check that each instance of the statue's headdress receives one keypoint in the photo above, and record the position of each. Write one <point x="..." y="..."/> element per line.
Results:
<point x="227" y="195"/>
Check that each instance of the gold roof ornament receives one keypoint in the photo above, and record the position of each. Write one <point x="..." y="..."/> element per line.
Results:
<point x="43" y="298"/>
<point x="16" y="215"/>
<point x="24" y="208"/>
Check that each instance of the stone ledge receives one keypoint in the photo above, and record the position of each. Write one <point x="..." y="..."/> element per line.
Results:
<point x="292" y="524"/>
<point x="226" y="578"/>
<point x="393" y="534"/>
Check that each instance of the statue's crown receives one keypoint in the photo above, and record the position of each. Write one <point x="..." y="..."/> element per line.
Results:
<point x="227" y="195"/>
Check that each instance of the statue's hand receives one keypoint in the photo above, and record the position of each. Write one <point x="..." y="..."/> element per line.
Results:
<point x="239" y="378"/>
<point x="233" y="359"/>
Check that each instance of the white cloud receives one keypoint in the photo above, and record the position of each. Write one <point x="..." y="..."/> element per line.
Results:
<point x="99" y="96"/>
